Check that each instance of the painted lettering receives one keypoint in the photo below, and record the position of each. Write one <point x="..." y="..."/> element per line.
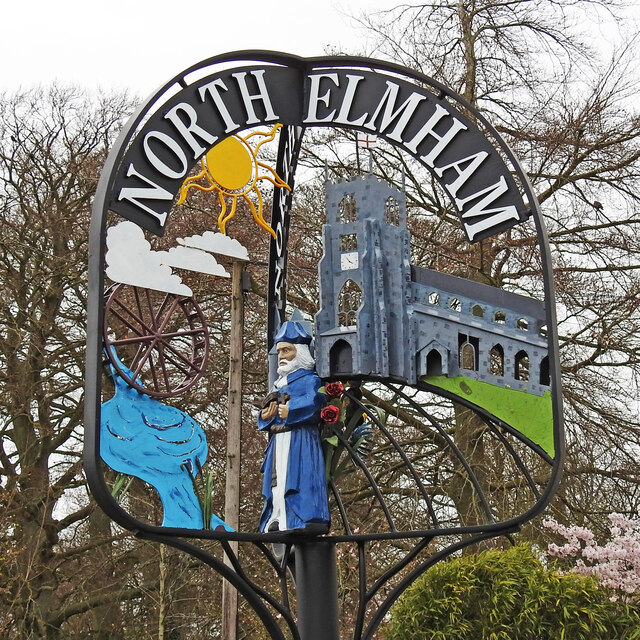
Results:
<point x="279" y="263"/>
<point x="281" y="229"/>
<point x="173" y="146"/>
<point x="212" y="89"/>
<point x="152" y="192"/>
<point x="191" y="129"/>
<point x="490" y="217"/>
<point x="405" y="112"/>
<point x="464" y="173"/>
<point x="428" y="129"/>
<point x="315" y="98"/>
<point x="347" y="102"/>
<point x="261" y="96"/>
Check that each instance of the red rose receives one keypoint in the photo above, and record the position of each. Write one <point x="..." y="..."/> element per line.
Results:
<point x="330" y="413"/>
<point x="334" y="389"/>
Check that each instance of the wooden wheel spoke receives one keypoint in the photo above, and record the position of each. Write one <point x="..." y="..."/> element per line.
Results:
<point x="144" y="356"/>
<point x="166" y="339"/>
<point x="143" y="311"/>
<point x="160" y="326"/>
<point x="152" y="315"/>
<point x="177" y="355"/>
<point x="181" y="363"/>
<point x="186" y="332"/>
<point x="154" y="374"/>
<point x="163" y="365"/>
<point x="142" y="330"/>
<point x="127" y="341"/>
<point x="162" y="306"/>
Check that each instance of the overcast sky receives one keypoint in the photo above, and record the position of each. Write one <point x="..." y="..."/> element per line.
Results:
<point x="139" y="44"/>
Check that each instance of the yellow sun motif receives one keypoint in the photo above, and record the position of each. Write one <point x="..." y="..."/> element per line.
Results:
<point x="231" y="168"/>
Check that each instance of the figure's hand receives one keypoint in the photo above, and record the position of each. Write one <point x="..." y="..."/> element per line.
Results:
<point x="269" y="412"/>
<point x="283" y="410"/>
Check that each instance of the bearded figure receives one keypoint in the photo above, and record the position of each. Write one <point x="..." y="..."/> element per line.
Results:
<point x="294" y="485"/>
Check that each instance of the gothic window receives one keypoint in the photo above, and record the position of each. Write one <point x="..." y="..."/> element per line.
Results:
<point x="347" y="209"/>
<point x="522" y="324"/>
<point x="496" y="360"/>
<point x="349" y="242"/>
<point x="477" y="311"/>
<point x="349" y="301"/>
<point x="500" y="317"/>
<point x="468" y="352"/>
<point x="545" y="378"/>
<point x="434" y="363"/>
<point x="341" y="358"/>
<point x="455" y="304"/>
<point x="392" y="211"/>
<point x="349" y="251"/>
<point x="522" y="366"/>
<point x="434" y="298"/>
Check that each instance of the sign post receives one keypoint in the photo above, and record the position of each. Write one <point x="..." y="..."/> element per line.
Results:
<point x="234" y="433"/>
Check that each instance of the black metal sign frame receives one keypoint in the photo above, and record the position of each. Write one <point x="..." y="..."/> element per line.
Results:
<point x="226" y="94"/>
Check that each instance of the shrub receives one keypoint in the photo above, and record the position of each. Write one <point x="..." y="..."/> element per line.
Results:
<point x="508" y="595"/>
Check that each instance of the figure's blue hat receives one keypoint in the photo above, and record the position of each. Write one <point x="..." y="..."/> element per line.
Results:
<point x="292" y="332"/>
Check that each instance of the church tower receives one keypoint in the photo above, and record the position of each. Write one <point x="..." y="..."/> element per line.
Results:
<point x="362" y="327"/>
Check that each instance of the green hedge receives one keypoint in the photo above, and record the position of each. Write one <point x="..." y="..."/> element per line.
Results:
<point x="508" y="595"/>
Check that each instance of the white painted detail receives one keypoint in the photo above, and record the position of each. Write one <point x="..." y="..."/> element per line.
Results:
<point x="349" y="260"/>
<point x="193" y="260"/>
<point x="131" y="261"/>
<point x="218" y="243"/>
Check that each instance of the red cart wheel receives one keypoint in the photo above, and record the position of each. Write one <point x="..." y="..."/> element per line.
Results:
<point x="161" y="338"/>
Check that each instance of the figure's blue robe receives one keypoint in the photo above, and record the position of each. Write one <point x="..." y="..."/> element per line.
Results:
<point x="306" y="487"/>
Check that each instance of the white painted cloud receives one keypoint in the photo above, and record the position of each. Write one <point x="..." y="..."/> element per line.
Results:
<point x="193" y="260"/>
<point x="216" y="243"/>
<point x="131" y="261"/>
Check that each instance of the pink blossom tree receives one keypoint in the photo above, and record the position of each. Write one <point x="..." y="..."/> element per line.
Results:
<point x="615" y="564"/>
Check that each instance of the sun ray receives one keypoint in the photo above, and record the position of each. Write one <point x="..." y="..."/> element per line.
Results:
<point x="257" y="215"/>
<point x="232" y="168"/>
<point x="275" y="180"/>
<point x="234" y="202"/>
<point x="268" y="137"/>
<point x="223" y="211"/>
<point x="189" y="183"/>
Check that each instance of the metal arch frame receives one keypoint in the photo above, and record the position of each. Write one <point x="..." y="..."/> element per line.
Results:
<point x="97" y="237"/>
<point x="492" y="526"/>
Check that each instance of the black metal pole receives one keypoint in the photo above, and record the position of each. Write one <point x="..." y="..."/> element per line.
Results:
<point x="317" y="590"/>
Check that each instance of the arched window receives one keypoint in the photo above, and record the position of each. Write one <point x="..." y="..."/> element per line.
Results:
<point x="341" y="358"/>
<point x="349" y="242"/>
<point x="496" y="360"/>
<point x="545" y="377"/>
<point x="477" y="311"/>
<point x="349" y="301"/>
<point x="392" y="211"/>
<point x="468" y="352"/>
<point x="347" y="209"/>
<point x="522" y="324"/>
<point x="434" y="298"/>
<point x="522" y="366"/>
<point x="500" y="317"/>
<point x="455" y="304"/>
<point x="434" y="363"/>
<point x="467" y="356"/>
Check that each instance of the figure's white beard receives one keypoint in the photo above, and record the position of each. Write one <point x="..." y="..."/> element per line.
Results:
<point x="302" y="360"/>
